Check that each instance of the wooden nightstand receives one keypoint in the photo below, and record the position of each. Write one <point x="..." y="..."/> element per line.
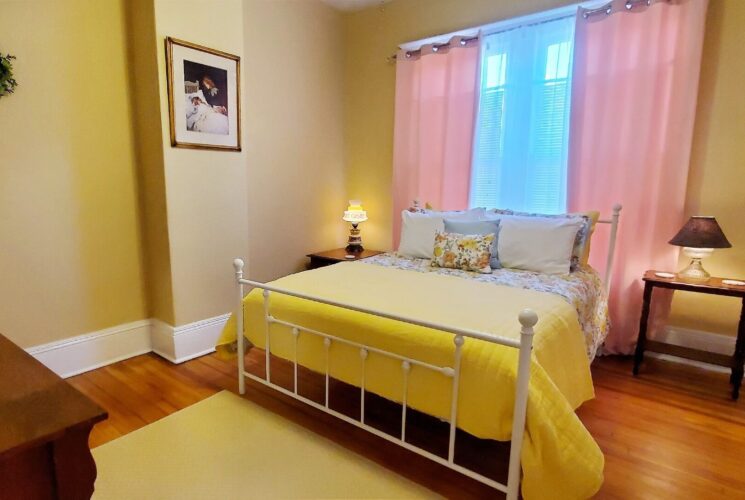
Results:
<point x="321" y="259"/>
<point x="714" y="286"/>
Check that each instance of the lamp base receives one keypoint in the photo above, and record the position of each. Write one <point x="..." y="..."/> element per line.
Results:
<point x="354" y="243"/>
<point x="694" y="272"/>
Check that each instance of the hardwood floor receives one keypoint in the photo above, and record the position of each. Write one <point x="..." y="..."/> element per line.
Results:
<point x="672" y="432"/>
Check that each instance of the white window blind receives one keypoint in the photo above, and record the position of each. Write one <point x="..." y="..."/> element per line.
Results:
<point x="521" y="143"/>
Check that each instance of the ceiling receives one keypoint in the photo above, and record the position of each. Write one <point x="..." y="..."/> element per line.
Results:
<point x="352" y="5"/>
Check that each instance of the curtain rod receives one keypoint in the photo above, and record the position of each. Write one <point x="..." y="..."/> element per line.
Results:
<point x="607" y="9"/>
<point x="465" y="39"/>
<point x="462" y="41"/>
<point x="497" y="27"/>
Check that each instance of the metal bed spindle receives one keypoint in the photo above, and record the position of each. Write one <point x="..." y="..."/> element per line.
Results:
<point x="406" y="367"/>
<point x="363" y="355"/>
<point x="458" y="341"/>
<point x="267" y="339"/>
<point x="327" y="345"/>
<point x="295" y="335"/>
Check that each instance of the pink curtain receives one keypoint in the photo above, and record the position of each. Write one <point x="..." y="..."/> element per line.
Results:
<point x="633" y="105"/>
<point x="436" y="95"/>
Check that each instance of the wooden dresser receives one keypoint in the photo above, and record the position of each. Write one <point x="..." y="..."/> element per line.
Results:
<point x="44" y="428"/>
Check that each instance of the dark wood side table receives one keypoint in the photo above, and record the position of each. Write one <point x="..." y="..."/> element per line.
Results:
<point x="321" y="259"/>
<point x="44" y="428"/>
<point x="714" y="286"/>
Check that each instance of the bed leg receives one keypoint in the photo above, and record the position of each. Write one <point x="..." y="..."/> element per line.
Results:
<point x="238" y="266"/>
<point x="528" y="319"/>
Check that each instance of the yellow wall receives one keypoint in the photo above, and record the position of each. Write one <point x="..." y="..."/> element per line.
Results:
<point x="102" y="221"/>
<point x="205" y="190"/>
<point x="143" y="49"/>
<point x="283" y="195"/>
<point x="717" y="182"/>
<point x="70" y="258"/>
<point x="293" y="116"/>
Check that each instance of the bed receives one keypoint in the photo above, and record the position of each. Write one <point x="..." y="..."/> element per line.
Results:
<point x="446" y="342"/>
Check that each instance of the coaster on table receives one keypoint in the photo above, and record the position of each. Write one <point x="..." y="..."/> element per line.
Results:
<point x="664" y="275"/>
<point x="349" y="257"/>
<point x="733" y="282"/>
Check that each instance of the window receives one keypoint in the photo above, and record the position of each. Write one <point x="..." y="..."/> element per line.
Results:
<point x="521" y="143"/>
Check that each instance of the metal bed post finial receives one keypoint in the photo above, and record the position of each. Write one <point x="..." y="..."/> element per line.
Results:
<point x="238" y="266"/>
<point x="528" y="318"/>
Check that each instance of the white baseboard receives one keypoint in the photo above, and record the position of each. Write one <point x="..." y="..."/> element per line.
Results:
<point x="93" y="350"/>
<point x="80" y="354"/>
<point x="185" y="342"/>
<point x="161" y="335"/>
<point x="694" y="339"/>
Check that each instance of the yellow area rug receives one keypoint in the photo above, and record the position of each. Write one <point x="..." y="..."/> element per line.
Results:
<point x="227" y="447"/>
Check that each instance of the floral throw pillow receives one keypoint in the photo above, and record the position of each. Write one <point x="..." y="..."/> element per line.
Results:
<point x="470" y="252"/>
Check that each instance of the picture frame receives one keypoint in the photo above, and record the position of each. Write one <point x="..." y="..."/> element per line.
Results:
<point x="203" y="96"/>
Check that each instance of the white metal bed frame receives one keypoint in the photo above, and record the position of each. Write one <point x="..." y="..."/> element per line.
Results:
<point x="527" y="319"/>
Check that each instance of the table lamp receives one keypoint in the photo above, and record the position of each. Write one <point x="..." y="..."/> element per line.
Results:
<point x="699" y="237"/>
<point x="355" y="214"/>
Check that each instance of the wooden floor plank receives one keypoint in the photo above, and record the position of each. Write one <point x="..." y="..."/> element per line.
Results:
<point x="672" y="432"/>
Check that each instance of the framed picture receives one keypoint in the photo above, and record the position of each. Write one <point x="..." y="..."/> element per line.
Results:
<point x="203" y="96"/>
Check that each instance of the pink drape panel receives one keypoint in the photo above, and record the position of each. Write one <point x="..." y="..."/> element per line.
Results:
<point x="633" y="106"/>
<point x="435" y="105"/>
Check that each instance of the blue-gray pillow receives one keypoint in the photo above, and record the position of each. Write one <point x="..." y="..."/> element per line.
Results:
<point x="477" y="227"/>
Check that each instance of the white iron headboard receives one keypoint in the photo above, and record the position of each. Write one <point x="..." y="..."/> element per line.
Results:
<point x="613" y="221"/>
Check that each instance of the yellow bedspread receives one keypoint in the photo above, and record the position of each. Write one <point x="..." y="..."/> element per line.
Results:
<point x="559" y="459"/>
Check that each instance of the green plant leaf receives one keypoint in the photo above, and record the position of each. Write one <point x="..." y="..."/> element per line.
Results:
<point x="7" y="82"/>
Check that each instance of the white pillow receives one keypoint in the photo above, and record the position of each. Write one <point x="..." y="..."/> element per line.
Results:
<point x="418" y="230"/>
<point x="537" y="244"/>
<point x="470" y="214"/>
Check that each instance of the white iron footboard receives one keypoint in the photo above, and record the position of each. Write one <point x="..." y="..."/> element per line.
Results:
<point x="527" y="319"/>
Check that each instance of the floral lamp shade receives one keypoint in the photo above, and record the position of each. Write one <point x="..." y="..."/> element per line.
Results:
<point x="355" y="213"/>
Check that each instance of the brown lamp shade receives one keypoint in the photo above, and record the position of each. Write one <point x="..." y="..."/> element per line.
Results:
<point x="701" y="232"/>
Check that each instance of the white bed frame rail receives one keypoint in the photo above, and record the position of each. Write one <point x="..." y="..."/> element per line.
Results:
<point x="527" y="319"/>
